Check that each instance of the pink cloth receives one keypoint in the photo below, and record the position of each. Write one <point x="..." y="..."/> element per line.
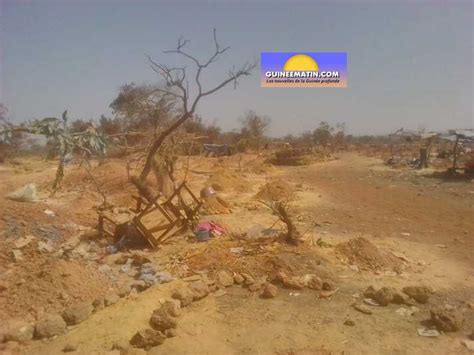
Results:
<point x="211" y="227"/>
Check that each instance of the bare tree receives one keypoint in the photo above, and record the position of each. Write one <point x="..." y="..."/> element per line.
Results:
<point x="177" y="85"/>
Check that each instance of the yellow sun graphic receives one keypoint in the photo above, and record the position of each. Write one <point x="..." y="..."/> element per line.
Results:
<point x="300" y="62"/>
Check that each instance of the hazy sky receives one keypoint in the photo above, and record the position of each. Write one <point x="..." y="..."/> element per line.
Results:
<point x="410" y="62"/>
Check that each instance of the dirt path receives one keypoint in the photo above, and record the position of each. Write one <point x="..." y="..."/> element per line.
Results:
<point x="426" y="219"/>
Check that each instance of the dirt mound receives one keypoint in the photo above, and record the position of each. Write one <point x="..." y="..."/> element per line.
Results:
<point x="224" y="180"/>
<point x="276" y="190"/>
<point x="258" y="166"/>
<point x="364" y="254"/>
<point x="296" y="157"/>
<point x="214" y="205"/>
<point x="218" y="255"/>
<point x="42" y="283"/>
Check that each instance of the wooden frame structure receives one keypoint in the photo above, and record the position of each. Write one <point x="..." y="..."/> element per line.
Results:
<point x="156" y="221"/>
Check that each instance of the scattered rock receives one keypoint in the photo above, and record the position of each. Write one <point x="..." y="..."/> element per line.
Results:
<point x="139" y="259"/>
<point x="77" y="313"/>
<point x="327" y="286"/>
<point x="400" y="298"/>
<point x="314" y="282"/>
<point x="172" y="307"/>
<point x="256" y="286"/>
<point x="293" y="282"/>
<point x="111" y="299"/>
<point x="124" y="290"/>
<point x="349" y="322"/>
<point x="50" y="325"/>
<point x="139" y="285"/>
<point x="25" y="194"/>
<point x="17" y="255"/>
<point x="133" y="294"/>
<point x="430" y="333"/>
<point x="224" y="279"/>
<point x="121" y="259"/>
<point x="69" y="348"/>
<point x="24" y="241"/>
<point x="446" y="320"/>
<point x="147" y="338"/>
<point x="269" y="291"/>
<point x="17" y="331"/>
<point x="199" y="290"/>
<point x="184" y="294"/>
<point x="384" y="296"/>
<point x="327" y="294"/>
<point x="238" y="279"/>
<point x="370" y="302"/>
<point x="170" y="333"/>
<point x="370" y="292"/>
<point x="407" y="312"/>
<point x="161" y="320"/>
<point x="115" y="259"/>
<point x="362" y="308"/>
<point x="163" y="277"/>
<point x="98" y="304"/>
<point x="44" y="247"/>
<point x="248" y="279"/>
<point x="419" y="293"/>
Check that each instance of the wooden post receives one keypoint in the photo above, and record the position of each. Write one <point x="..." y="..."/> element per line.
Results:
<point x="428" y="154"/>
<point x="423" y="158"/>
<point x="455" y="154"/>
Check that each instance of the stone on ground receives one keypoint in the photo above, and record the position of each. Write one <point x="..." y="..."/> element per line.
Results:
<point x="269" y="291"/>
<point x="77" y="313"/>
<point x="384" y="296"/>
<point x="313" y="282"/>
<point x="50" y="325"/>
<point x="199" y="290"/>
<point x="162" y="318"/>
<point x="446" y="320"/>
<point x="238" y="279"/>
<point x="419" y="293"/>
<point x="147" y="338"/>
<point x="293" y="282"/>
<point x="362" y="308"/>
<point x="184" y="294"/>
<point x="162" y="321"/>
<point x="111" y="299"/>
<point x="16" y="330"/>
<point x="170" y="333"/>
<point x="224" y="279"/>
<point x="99" y="304"/>
<point x="172" y="307"/>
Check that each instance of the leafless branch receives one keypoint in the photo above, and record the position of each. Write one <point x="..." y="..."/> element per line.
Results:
<point x="177" y="85"/>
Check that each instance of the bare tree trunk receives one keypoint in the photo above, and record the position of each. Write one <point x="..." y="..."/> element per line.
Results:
<point x="157" y="144"/>
<point x="163" y="179"/>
